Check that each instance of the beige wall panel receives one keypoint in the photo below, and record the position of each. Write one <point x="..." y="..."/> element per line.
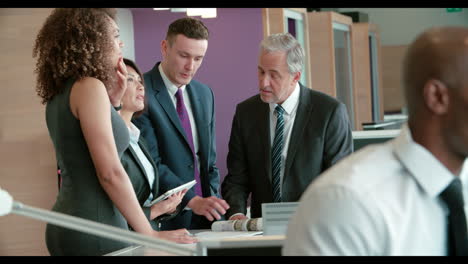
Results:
<point x="321" y="52"/>
<point x="392" y="59"/>
<point x="265" y="22"/>
<point x="361" y="74"/>
<point x="27" y="159"/>
<point x="275" y="17"/>
<point x="336" y="17"/>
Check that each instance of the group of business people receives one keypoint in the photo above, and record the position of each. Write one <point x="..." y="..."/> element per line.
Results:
<point x="122" y="138"/>
<point x="314" y="124"/>
<point x="162" y="131"/>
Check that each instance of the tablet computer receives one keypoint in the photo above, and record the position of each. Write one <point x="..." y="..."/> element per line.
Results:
<point x="187" y="186"/>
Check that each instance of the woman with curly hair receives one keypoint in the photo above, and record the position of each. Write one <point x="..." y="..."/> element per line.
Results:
<point x="80" y="77"/>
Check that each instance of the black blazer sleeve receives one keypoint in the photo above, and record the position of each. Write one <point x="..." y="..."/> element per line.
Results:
<point x="235" y="187"/>
<point x="338" y="137"/>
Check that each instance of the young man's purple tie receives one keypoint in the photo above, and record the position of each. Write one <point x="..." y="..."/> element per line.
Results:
<point x="185" y="121"/>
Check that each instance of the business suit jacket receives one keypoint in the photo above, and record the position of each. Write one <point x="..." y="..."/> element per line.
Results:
<point x="168" y="145"/>
<point x="321" y="135"/>
<point x="140" y="182"/>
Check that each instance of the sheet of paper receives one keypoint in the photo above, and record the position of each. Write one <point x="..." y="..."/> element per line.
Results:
<point x="210" y="235"/>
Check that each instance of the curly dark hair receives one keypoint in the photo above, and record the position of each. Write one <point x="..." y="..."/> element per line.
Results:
<point x="73" y="43"/>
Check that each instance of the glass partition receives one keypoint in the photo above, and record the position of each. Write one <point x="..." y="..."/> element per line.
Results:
<point x="374" y="77"/>
<point x="343" y="68"/>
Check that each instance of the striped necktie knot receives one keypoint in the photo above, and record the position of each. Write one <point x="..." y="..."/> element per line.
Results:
<point x="279" y="110"/>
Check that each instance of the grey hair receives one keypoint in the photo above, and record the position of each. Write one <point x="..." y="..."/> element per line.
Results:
<point x="285" y="42"/>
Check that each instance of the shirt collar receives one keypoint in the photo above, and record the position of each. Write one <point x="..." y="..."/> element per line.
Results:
<point x="430" y="174"/>
<point x="172" y="88"/>
<point x="134" y="133"/>
<point x="290" y="104"/>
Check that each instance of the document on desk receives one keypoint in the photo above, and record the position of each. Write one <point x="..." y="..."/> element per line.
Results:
<point x="211" y="235"/>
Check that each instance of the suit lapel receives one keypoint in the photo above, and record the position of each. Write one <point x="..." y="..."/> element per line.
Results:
<point x="163" y="98"/>
<point x="263" y="121"/>
<point x="304" y="110"/>
<point x="156" y="174"/>
<point x="135" y="157"/>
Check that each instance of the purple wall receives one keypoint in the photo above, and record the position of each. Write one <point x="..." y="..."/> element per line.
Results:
<point x="230" y="64"/>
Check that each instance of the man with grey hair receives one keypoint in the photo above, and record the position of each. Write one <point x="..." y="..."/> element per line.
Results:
<point x="284" y="137"/>
<point x="405" y="196"/>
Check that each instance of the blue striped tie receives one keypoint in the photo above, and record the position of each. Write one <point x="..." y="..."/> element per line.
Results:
<point x="276" y="151"/>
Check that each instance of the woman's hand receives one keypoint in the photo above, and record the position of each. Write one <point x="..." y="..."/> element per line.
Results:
<point x="117" y="91"/>
<point x="179" y="236"/>
<point x="167" y="206"/>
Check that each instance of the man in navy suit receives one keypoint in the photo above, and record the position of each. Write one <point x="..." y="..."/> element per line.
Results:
<point x="179" y="125"/>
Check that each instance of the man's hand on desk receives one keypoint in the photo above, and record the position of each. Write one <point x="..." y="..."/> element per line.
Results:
<point x="210" y="207"/>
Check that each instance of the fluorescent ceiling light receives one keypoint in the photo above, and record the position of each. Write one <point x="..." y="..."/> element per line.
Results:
<point x="209" y="13"/>
<point x="203" y="12"/>
<point x="195" y="11"/>
<point x="178" y="9"/>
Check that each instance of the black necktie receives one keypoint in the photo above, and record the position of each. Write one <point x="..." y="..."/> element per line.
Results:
<point x="457" y="233"/>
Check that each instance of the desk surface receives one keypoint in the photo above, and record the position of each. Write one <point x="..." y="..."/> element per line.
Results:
<point x="203" y="244"/>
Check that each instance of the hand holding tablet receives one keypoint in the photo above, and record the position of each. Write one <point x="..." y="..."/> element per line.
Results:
<point x="187" y="186"/>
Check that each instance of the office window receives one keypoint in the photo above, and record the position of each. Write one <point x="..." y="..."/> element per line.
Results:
<point x="374" y="77"/>
<point x="343" y="67"/>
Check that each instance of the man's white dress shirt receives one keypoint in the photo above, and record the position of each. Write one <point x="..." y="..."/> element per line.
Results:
<point x="381" y="200"/>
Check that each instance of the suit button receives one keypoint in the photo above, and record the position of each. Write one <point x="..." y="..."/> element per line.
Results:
<point x="190" y="166"/>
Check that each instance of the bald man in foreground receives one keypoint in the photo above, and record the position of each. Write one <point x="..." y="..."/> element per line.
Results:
<point x="403" y="197"/>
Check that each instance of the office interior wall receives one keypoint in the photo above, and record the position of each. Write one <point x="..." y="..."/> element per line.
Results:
<point x="27" y="159"/>
<point x="125" y="23"/>
<point x="361" y="73"/>
<point x="392" y="59"/>
<point x="398" y="28"/>
<point x="230" y="64"/>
